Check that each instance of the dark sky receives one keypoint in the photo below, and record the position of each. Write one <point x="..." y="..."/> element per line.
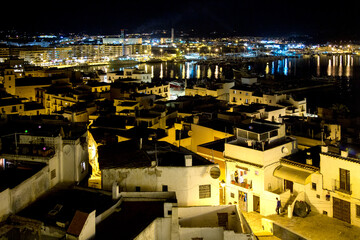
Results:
<point x="335" y="19"/>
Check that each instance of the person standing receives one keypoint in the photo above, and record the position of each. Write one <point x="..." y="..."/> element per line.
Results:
<point x="236" y="177"/>
<point x="278" y="206"/>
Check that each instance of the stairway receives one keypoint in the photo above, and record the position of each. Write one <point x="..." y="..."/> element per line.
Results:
<point x="289" y="202"/>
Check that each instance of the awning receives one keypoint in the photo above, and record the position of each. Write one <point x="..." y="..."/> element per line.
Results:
<point x="292" y="174"/>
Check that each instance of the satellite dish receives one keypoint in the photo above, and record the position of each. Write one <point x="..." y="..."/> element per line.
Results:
<point x="215" y="172"/>
<point x="190" y="133"/>
<point x="284" y="150"/>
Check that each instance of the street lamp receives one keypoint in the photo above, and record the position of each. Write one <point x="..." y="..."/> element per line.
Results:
<point x="222" y="184"/>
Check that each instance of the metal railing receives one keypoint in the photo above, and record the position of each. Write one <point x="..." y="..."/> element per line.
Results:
<point x="343" y="187"/>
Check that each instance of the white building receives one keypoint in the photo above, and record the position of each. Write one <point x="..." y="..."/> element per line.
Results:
<point x="219" y="90"/>
<point x="138" y="168"/>
<point x="326" y="180"/>
<point x="260" y="111"/>
<point x="244" y="95"/>
<point x="65" y="159"/>
<point x="250" y="162"/>
<point x="340" y="173"/>
<point x="212" y="222"/>
<point x="120" y="40"/>
<point x="131" y="73"/>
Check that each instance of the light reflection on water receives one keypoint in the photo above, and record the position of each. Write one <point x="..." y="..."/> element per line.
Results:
<point x="186" y="70"/>
<point x="318" y="65"/>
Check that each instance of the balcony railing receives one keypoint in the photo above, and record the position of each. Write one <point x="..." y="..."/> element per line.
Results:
<point x="343" y="187"/>
<point x="243" y="184"/>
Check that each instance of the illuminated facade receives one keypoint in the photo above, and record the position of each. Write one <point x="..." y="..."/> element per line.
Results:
<point x="170" y="169"/>
<point x="340" y="189"/>
<point x="240" y="95"/>
<point x="248" y="163"/>
<point x="41" y="56"/>
<point x="218" y="90"/>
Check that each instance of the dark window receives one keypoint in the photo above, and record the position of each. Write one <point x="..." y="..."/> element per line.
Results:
<point x="253" y="136"/>
<point x="313" y="186"/>
<point x="53" y="174"/>
<point x="169" y="212"/>
<point x="263" y="136"/>
<point x="137" y="189"/>
<point x="344" y="179"/>
<point x="358" y="211"/>
<point x="164" y="188"/>
<point x="274" y="133"/>
<point x="242" y="133"/>
<point x="205" y="191"/>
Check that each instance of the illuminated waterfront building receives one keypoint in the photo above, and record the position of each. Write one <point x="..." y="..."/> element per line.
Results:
<point x="131" y="74"/>
<point x="219" y="90"/>
<point x="245" y="95"/>
<point x="42" y="56"/>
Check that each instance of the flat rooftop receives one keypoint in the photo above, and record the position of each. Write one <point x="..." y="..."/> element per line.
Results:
<point x="218" y="145"/>
<point x="258" y="146"/>
<point x="130" y="221"/>
<point x="257" y="127"/>
<point x="315" y="226"/>
<point x="208" y="217"/>
<point x="128" y="154"/>
<point x="41" y="125"/>
<point x="68" y="199"/>
<point x="13" y="175"/>
<point x="301" y="156"/>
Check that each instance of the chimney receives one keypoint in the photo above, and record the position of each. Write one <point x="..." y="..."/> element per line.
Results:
<point x="344" y="153"/>
<point x="122" y="33"/>
<point x="153" y="163"/>
<point x="115" y="191"/>
<point x="196" y="120"/>
<point x="308" y="158"/>
<point x="324" y="149"/>
<point x="188" y="160"/>
<point x="140" y="146"/>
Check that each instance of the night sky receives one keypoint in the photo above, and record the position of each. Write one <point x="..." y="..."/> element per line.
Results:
<point x="333" y="19"/>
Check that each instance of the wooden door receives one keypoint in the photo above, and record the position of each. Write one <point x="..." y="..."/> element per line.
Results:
<point x="288" y="185"/>
<point x="341" y="210"/>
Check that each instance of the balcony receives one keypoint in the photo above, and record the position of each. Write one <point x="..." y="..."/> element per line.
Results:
<point x="244" y="184"/>
<point x="343" y="187"/>
<point x="28" y="151"/>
